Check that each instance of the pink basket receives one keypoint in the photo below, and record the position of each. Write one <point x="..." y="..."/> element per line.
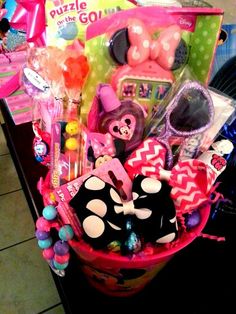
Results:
<point x="117" y="275"/>
<point x="120" y="276"/>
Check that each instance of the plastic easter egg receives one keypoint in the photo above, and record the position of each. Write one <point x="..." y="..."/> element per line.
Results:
<point x="45" y="244"/>
<point x="61" y="248"/>
<point x="49" y="212"/>
<point x="66" y="233"/>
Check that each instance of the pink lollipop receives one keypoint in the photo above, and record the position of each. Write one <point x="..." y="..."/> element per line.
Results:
<point x="51" y="62"/>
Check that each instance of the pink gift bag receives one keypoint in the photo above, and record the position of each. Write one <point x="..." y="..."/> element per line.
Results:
<point x="18" y="103"/>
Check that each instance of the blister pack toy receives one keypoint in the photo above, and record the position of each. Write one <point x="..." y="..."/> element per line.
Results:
<point x="69" y="139"/>
<point x="142" y="51"/>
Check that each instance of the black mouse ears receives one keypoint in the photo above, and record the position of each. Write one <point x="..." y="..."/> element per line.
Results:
<point x="133" y="45"/>
<point x="119" y="45"/>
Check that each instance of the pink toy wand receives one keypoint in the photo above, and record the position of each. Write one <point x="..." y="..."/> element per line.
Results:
<point x="75" y="72"/>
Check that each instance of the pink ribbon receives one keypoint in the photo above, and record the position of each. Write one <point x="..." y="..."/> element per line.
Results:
<point x="143" y="47"/>
<point x="29" y="16"/>
<point x="102" y="144"/>
<point x="191" y="180"/>
<point x="2" y="13"/>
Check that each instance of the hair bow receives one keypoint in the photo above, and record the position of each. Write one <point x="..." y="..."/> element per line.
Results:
<point x="103" y="214"/>
<point x="191" y="180"/>
<point x="30" y="16"/>
<point x="102" y="144"/>
<point x="143" y="47"/>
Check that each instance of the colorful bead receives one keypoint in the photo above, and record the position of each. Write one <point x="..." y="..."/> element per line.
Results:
<point x="48" y="253"/>
<point x="56" y="255"/>
<point x="62" y="259"/>
<point x="61" y="248"/>
<point x="42" y="235"/>
<point x="49" y="212"/>
<point x="45" y="244"/>
<point x="42" y="224"/>
<point x="59" y="266"/>
<point x="66" y="233"/>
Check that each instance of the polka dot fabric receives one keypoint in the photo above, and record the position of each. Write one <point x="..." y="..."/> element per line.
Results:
<point x="94" y="204"/>
<point x="103" y="214"/>
<point x="203" y="45"/>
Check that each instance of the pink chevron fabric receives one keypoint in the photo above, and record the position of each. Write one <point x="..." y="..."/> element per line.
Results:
<point x="191" y="180"/>
<point x="147" y="159"/>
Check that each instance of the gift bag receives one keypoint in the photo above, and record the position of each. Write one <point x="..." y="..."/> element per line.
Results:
<point x="18" y="102"/>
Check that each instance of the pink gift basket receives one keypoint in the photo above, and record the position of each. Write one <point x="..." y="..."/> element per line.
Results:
<point x="116" y="192"/>
<point x="121" y="276"/>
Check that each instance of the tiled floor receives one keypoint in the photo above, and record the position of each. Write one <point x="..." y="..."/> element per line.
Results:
<point x="26" y="284"/>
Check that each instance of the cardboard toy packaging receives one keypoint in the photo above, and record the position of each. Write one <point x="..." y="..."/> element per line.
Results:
<point x="199" y="29"/>
<point x="19" y="103"/>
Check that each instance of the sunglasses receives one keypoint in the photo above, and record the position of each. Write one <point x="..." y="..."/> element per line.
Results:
<point x="190" y="112"/>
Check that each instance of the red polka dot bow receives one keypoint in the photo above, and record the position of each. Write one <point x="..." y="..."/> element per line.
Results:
<point x="143" y="47"/>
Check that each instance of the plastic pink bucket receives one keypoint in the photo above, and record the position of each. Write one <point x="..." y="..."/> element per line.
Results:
<point x="120" y="276"/>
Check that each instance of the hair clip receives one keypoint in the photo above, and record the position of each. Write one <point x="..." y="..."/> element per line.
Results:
<point x="146" y="64"/>
<point x="103" y="147"/>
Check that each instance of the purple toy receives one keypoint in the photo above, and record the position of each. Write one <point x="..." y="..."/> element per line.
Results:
<point x="124" y="120"/>
<point x="190" y="112"/>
